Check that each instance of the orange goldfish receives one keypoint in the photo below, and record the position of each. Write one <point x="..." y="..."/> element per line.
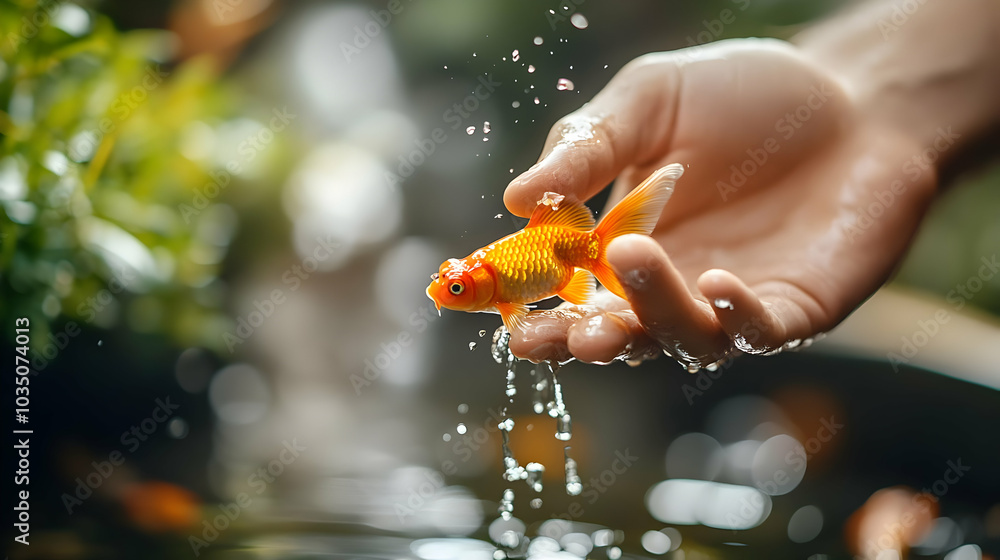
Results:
<point x="557" y="253"/>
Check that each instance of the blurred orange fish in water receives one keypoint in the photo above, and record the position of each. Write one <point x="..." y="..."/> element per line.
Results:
<point x="555" y="254"/>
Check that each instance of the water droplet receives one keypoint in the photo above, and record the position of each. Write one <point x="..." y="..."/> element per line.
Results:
<point x="723" y="303"/>
<point x="463" y="408"/>
<point x="446" y="437"/>
<point x="470" y="131"/>
<point x="461" y="429"/>
<point x="538" y="41"/>
<point x="472" y="346"/>
<point x="482" y="333"/>
<point x="498" y="216"/>
<point x="506" y="425"/>
<point x="506" y="504"/>
<point x="486" y="140"/>
<point x="605" y="66"/>
<point x="693" y="368"/>
<point x="531" y="69"/>
<point x="574" y="486"/>
<point x="579" y="21"/>
<point x="537" y="101"/>
<point x="100" y="343"/>
<point x="614" y="553"/>
<point x="535" y="471"/>
<point x="564" y="428"/>
<point x="515" y="56"/>
<point x="515" y="104"/>
<point x="536" y="503"/>
<point x="486" y="127"/>
<point x="564" y="84"/>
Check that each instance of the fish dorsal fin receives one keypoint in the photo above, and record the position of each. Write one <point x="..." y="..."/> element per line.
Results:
<point x="550" y="212"/>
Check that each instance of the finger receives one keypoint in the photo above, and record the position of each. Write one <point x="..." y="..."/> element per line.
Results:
<point x="543" y="334"/>
<point x="609" y="336"/>
<point x="628" y="121"/>
<point x="684" y="326"/>
<point x="745" y="318"/>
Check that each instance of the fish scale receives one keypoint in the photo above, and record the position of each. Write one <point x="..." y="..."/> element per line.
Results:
<point x="535" y="263"/>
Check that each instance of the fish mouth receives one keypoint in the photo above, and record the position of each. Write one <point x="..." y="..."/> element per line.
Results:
<point x="432" y="298"/>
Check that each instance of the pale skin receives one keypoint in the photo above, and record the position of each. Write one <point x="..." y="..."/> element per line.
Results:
<point x="847" y="128"/>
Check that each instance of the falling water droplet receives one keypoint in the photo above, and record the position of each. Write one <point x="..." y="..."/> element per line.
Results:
<point x="537" y="101"/>
<point x="482" y="333"/>
<point x="538" y="41"/>
<point x="614" y="553"/>
<point x="515" y="104"/>
<point x="536" y="503"/>
<point x="564" y="84"/>
<point x="694" y="368"/>
<point x="574" y="486"/>
<point x="463" y="408"/>
<point x="531" y="69"/>
<point x="723" y="303"/>
<point x="446" y="437"/>
<point x="515" y="56"/>
<point x="486" y="127"/>
<point x="100" y="343"/>
<point x="472" y="346"/>
<point x="461" y="429"/>
<point x="506" y="504"/>
<point x="498" y="216"/>
<point x="470" y="131"/>
<point x="579" y="21"/>
<point x="535" y="472"/>
<point x="564" y="428"/>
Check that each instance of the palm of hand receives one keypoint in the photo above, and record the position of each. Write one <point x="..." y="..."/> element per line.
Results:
<point x="794" y="207"/>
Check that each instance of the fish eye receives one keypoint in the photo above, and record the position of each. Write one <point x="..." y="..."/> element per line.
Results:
<point x="456" y="288"/>
<point x="434" y="276"/>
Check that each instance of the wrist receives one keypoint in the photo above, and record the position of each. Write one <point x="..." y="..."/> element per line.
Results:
<point x="928" y="74"/>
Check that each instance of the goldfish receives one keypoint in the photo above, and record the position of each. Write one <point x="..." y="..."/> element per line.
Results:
<point x="558" y="253"/>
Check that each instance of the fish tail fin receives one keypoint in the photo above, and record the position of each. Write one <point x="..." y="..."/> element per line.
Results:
<point x="638" y="213"/>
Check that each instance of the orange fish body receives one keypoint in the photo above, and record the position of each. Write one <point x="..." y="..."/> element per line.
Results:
<point x="555" y="254"/>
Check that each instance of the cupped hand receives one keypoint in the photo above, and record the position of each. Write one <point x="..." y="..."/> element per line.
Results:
<point x="794" y="207"/>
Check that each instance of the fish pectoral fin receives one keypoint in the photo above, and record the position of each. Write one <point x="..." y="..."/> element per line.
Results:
<point x="580" y="289"/>
<point x="512" y="315"/>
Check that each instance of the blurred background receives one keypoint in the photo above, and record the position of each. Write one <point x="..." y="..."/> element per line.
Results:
<point x="219" y="217"/>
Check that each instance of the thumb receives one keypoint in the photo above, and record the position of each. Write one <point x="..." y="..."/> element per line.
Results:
<point x="629" y="121"/>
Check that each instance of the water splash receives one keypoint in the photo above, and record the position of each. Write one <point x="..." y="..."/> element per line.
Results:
<point x="564" y="84"/>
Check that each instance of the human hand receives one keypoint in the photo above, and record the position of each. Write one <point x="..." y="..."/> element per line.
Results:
<point x="794" y="207"/>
